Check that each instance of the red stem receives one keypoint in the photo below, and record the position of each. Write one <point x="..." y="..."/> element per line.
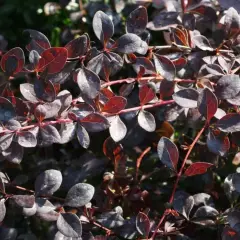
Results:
<point x="160" y="103"/>
<point x="178" y="178"/>
<point x="130" y="80"/>
<point x="139" y="160"/>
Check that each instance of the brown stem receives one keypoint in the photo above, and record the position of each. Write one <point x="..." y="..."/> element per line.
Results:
<point x="178" y="178"/>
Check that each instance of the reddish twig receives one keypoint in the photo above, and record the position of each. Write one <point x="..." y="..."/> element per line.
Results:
<point x="108" y="231"/>
<point x="139" y="160"/>
<point x="67" y="120"/>
<point x="183" y="6"/>
<point x="130" y="80"/>
<point x="178" y="178"/>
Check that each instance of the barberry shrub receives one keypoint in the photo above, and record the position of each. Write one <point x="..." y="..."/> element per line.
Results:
<point x="157" y="139"/>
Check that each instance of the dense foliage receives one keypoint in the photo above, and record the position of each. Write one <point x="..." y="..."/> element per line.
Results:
<point x="115" y="138"/>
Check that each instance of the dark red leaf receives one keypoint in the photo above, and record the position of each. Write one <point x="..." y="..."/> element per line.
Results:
<point x="95" y="122"/>
<point x="168" y="153"/>
<point x="112" y="149"/>
<point x="197" y="168"/>
<point x="207" y="103"/>
<point x="13" y="61"/>
<point x="77" y="47"/>
<point x="53" y="59"/>
<point x="166" y="89"/>
<point x="146" y="94"/>
<point x="115" y="105"/>
<point x="164" y="67"/>
<point x="179" y="36"/>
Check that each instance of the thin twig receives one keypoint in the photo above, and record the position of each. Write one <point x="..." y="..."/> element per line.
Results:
<point x="157" y="104"/>
<point x="67" y="120"/>
<point x="139" y="160"/>
<point x="130" y="80"/>
<point x="178" y="178"/>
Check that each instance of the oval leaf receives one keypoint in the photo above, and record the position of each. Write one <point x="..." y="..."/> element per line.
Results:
<point x="146" y="94"/>
<point x="164" y="67"/>
<point x="186" y="98"/>
<point x="13" y="61"/>
<point x="53" y="59"/>
<point x="39" y="41"/>
<point x="168" y="153"/>
<point x="83" y="137"/>
<point x="117" y="129"/>
<point x="79" y="195"/>
<point x="48" y="182"/>
<point x="229" y="123"/>
<point x="137" y="20"/>
<point x="202" y="43"/>
<point x="102" y="27"/>
<point x="146" y="121"/>
<point x="115" y="105"/>
<point x="88" y="82"/>
<point x="207" y="103"/>
<point x="197" y="168"/>
<point x="69" y="225"/>
<point x="95" y="122"/>
<point x="26" y="201"/>
<point x="77" y="47"/>
<point x="130" y="43"/>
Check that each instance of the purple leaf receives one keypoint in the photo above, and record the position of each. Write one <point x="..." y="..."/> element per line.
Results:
<point x="168" y="153"/>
